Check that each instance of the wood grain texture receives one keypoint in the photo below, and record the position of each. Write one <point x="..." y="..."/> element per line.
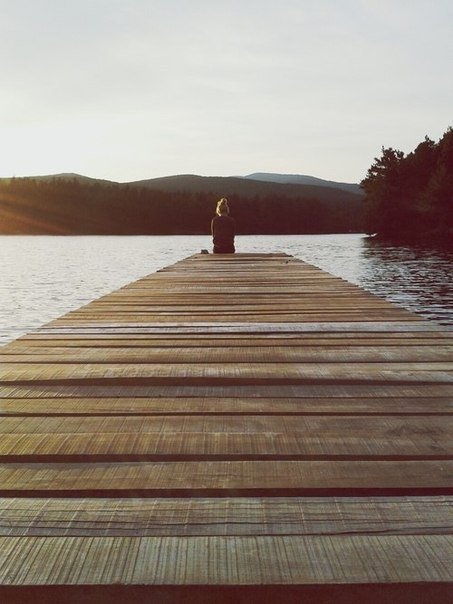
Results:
<point x="205" y="373"/>
<point x="226" y="437"/>
<point x="229" y="421"/>
<point x="257" y="560"/>
<point x="244" y="478"/>
<point x="44" y="404"/>
<point x="227" y="354"/>
<point x="226" y="516"/>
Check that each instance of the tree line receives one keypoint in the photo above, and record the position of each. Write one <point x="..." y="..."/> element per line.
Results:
<point x="78" y="207"/>
<point x="409" y="198"/>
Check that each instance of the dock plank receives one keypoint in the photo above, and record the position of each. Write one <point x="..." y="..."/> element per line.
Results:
<point x="226" y="560"/>
<point x="226" y="437"/>
<point x="200" y="373"/>
<point x="228" y="422"/>
<point x="226" y="354"/>
<point x="226" y="516"/>
<point x="224" y="478"/>
<point x="43" y="405"/>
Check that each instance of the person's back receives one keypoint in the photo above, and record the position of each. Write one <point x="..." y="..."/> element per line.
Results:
<point x="223" y="229"/>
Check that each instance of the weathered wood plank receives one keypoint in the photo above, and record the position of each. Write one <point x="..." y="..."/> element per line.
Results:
<point x="227" y="478"/>
<point x="310" y="426"/>
<point x="163" y="318"/>
<point x="34" y="341"/>
<point x="243" y="328"/>
<point x="226" y="516"/>
<point x="130" y="405"/>
<point x="226" y="560"/>
<point x="338" y="391"/>
<point x="440" y="372"/>
<point x="121" y="446"/>
<point x="226" y="354"/>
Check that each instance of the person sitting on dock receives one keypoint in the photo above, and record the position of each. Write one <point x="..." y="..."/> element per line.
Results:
<point x="222" y="229"/>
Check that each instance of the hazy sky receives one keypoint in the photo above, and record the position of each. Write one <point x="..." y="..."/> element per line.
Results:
<point x="134" y="89"/>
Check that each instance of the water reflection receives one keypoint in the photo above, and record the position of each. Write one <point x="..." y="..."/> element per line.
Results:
<point x="416" y="277"/>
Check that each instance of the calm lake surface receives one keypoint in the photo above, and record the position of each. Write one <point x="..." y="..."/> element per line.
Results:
<point x="43" y="277"/>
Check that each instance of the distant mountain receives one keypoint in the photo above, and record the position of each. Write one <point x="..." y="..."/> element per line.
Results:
<point x="246" y="187"/>
<point x="223" y="185"/>
<point x="303" y="179"/>
<point x="72" y="204"/>
<point x="71" y="176"/>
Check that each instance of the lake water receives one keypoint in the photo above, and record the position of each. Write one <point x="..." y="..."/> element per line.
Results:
<point x="43" y="277"/>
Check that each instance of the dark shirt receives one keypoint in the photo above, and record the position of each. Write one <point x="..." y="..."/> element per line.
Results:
<point x="222" y="229"/>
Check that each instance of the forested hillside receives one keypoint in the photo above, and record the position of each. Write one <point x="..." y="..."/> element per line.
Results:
<point x="74" y="205"/>
<point x="305" y="180"/>
<point x="249" y="186"/>
<point x="410" y="197"/>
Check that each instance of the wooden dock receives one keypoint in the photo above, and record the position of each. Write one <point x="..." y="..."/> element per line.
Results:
<point x="229" y="429"/>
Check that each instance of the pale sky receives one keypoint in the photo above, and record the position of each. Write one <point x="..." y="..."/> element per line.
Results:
<point x="135" y="89"/>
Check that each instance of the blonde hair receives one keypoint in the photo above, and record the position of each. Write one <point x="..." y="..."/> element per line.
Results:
<point x="222" y="208"/>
